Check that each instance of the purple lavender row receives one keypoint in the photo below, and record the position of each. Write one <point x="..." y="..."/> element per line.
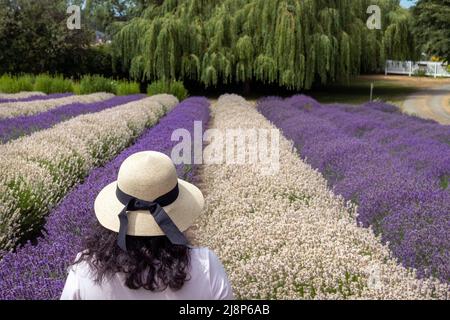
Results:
<point x="397" y="199"/>
<point x="423" y="145"/>
<point x="24" y="125"/>
<point x="38" y="272"/>
<point x="37" y="97"/>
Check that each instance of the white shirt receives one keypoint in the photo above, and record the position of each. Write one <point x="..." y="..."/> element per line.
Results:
<point x="208" y="281"/>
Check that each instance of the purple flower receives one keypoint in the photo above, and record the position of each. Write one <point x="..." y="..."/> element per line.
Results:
<point x="395" y="167"/>
<point x="39" y="271"/>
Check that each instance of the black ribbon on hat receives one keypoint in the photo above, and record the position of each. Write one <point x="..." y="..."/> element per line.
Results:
<point x="155" y="209"/>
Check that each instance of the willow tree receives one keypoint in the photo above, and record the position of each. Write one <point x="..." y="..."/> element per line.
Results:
<point x="292" y="43"/>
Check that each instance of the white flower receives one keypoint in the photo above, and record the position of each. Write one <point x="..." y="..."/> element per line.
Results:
<point x="287" y="236"/>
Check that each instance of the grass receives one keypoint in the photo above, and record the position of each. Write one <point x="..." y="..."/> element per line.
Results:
<point x="392" y="89"/>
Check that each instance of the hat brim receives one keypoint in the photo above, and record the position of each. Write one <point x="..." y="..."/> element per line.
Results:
<point x="183" y="211"/>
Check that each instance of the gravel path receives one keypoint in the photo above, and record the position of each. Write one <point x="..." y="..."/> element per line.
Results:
<point x="432" y="103"/>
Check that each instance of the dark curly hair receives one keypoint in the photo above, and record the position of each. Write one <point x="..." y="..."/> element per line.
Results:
<point x="152" y="263"/>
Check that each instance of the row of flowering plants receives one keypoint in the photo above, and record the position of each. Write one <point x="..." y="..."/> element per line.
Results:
<point x="286" y="235"/>
<point x="21" y="108"/>
<point x="394" y="167"/>
<point x="422" y="144"/>
<point x="25" y="95"/>
<point x="31" y="96"/>
<point x="39" y="271"/>
<point x="24" y="125"/>
<point x="38" y="170"/>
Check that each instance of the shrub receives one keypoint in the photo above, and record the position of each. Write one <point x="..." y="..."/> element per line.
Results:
<point x="76" y="88"/>
<point x="52" y="84"/>
<point x="96" y="83"/>
<point x="170" y="87"/>
<point x="14" y="84"/>
<point x="178" y="90"/>
<point x="25" y="82"/>
<point x="124" y="88"/>
<point x="7" y="84"/>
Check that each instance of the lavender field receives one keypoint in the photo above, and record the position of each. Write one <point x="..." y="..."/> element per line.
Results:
<point x="39" y="271"/>
<point x="313" y="138"/>
<point x="24" y="125"/>
<point x="394" y="167"/>
<point x="359" y="208"/>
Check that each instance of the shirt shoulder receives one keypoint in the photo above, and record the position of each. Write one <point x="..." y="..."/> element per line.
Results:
<point x="214" y="272"/>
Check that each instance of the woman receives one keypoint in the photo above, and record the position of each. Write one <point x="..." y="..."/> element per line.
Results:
<point x="139" y="250"/>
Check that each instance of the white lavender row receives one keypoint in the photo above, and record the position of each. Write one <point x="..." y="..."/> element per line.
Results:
<point x="14" y="109"/>
<point x="287" y="236"/>
<point x="21" y="95"/>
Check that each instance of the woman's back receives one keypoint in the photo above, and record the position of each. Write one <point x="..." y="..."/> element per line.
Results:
<point x="207" y="281"/>
<point x="139" y="249"/>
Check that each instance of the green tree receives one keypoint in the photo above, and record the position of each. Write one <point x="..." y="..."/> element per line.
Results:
<point x="289" y="42"/>
<point x="108" y="15"/>
<point x="34" y="37"/>
<point x="432" y="26"/>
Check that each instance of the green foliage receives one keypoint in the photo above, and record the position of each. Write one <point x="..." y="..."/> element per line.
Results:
<point x="76" y="88"/>
<point x="175" y="88"/>
<point x="124" y="88"/>
<point x="420" y="73"/>
<point x="15" y="84"/>
<point x="52" y="84"/>
<point x="399" y="41"/>
<point x="96" y="83"/>
<point x="34" y="38"/>
<point x="8" y="84"/>
<point x="103" y="15"/>
<point x="25" y="82"/>
<point x="58" y="84"/>
<point x="432" y="26"/>
<point x="445" y="180"/>
<point x="290" y="42"/>
<point x="178" y="90"/>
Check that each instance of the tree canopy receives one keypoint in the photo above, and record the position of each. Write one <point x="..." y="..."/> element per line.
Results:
<point x="289" y="42"/>
<point x="34" y="38"/>
<point x="432" y="26"/>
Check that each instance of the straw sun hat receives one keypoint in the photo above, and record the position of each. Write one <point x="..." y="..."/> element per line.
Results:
<point x="148" y="199"/>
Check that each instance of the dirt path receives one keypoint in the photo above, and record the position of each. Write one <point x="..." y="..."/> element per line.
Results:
<point x="430" y="103"/>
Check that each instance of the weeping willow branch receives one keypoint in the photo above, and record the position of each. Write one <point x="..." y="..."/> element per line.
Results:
<point x="289" y="42"/>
